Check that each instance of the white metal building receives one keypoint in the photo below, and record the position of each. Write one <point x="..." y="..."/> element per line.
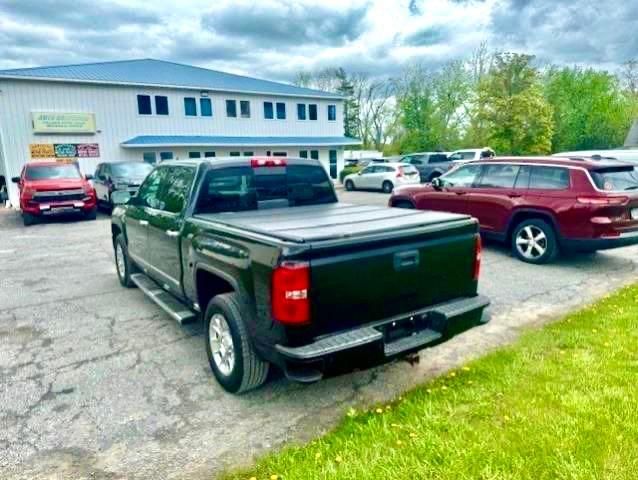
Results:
<point x="154" y="110"/>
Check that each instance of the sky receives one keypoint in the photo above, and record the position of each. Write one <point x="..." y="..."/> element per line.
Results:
<point x="275" y="39"/>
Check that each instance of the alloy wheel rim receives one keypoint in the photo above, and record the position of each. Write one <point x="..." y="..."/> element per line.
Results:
<point x="221" y="344"/>
<point x="119" y="260"/>
<point x="531" y="242"/>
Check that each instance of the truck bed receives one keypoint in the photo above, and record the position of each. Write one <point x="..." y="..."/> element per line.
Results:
<point x="328" y="222"/>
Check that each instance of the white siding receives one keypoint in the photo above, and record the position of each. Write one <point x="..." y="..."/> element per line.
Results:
<point x="117" y="120"/>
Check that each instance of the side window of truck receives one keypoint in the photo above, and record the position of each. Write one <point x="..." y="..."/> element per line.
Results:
<point x="175" y="188"/>
<point x="147" y="194"/>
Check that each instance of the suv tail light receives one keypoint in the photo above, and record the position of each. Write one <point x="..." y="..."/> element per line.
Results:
<point x="267" y="162"/>
<point x="603" y="200"/>
<point x="290" y="285"/>
<point x="477" y="257"/>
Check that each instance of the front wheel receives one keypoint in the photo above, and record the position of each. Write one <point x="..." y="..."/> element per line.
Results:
<point x="123" y="264"/>
<point x="234" y="362"/>
<point x="534" y="241"/>
<point x="349" y="185"/>
<point x="29" y="219"/>
<point x="91" y="214"/>
<point x="387" y="187"/>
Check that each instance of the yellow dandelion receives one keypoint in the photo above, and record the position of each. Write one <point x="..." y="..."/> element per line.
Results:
<point x="395" y="425"/>
<point x="466" y="369"/>
<point x="338" y="459"/>
<point x="470" y="382"/>
<point x="352" y="412"/>
<point x="443" y="387"/>
<point x="429" y="390"/>
<point x="274" y="477"/>
<point x="506" y="418"/>
<point x="318" y="455"/>
<point x="413" y="435"/>
<point x="399" y="443"/>
<point x="452" y="374"/>
<point x="379" y="410"/>
<point x="252" y="478"/>
<point x="387" y="407"/>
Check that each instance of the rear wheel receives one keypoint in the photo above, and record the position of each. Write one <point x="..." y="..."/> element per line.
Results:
<point x="534" y="241"/>
<point x="349" y="185"/>
<point x="387" y="187"/>
<point x="234" y="362"/>
<point x="29" y="219"/>
<point x="91" y="214"/>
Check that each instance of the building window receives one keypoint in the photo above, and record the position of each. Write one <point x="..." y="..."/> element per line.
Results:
<point x="279" y="154"/>
<point x="312" y="111"/>
<point x="144" y="105"/>
<point x="244" y="108"/>
<point x="231" y="108"/>
<point x="161" y="105"/>
<point x="166" y="156"/>
<point x="281" y="111"/>
<point x="235" y="154"/>
<point x="303" y="153"/>
<point x="269" y="114"/>
<point x="314" y="154"/>
<point x="209" y="154"/>
<point x="301" y="111"/>
<point x="149" y="157"/>
<point x="332" y="113"/>
<point x="332" y="155"/>
<point x="248" y="154"/>
<point x="205" y="107"/>
<point x="190" y="107"/>
<point x="194" y="155"/>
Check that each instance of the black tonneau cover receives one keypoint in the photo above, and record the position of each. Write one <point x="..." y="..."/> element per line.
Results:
<point x="329" y="221"/>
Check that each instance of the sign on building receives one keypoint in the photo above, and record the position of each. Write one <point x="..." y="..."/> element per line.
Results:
<point x="64" y="150"/>
<point x="42" y="150"/>
<point x="88" y="150"/>
<point x="55" y="122"/>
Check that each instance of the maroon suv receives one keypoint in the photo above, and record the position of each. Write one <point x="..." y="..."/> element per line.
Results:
<point x="539" y="205"/>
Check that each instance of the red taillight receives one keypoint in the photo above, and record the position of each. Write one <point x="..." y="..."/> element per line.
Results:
<point x="477" y="257"/>
<point x="290" y="285"/>
<point x="399" y="172"/>
<point x="602" y="201"/>
<point x="267" y="162"/>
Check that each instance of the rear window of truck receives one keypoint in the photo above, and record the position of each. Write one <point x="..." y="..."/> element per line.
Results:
<point x="238" y="189"/>
<point x="615" y="178"/>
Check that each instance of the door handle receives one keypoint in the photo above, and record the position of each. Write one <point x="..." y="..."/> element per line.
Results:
<point x="460" y="193"/>
<point x="172" y="233"/>
<point x="515" y="195"/>
<point x="144" y="223"/>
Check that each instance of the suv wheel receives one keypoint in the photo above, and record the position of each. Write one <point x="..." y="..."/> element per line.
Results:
<point x="123" y="264"/>
<point x="349" y="185"/>
<point x="534" y="241"/>
<point x="231" y="355"/>
<point x="387" y="187"/>
<point x="29" y="219"/>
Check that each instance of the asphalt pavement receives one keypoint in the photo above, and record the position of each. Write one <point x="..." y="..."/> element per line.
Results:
<point x="96" y="382"/>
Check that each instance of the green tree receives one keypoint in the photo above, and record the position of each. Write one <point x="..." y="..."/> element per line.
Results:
<point x="591" y="110"/>
<point x="515" y="114"/>
<point x="345" y="87"/>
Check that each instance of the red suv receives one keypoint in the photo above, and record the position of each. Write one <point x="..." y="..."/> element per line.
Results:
<point x="539" y="205"/>
<point x="54" y="188"/>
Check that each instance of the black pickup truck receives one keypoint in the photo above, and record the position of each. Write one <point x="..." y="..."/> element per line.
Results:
<point x="283" y="274"/>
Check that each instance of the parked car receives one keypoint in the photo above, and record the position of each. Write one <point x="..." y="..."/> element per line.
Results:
<point x="624" y="155"/>
<point x="383" y="177"/>
<point x="115" y="176"/>
<point x="539" y="205"/>
<point x="429" y="164"/>
<point x="460" y="157"/>
<point x="54" y="188"/>
<point x="263" y="250"/>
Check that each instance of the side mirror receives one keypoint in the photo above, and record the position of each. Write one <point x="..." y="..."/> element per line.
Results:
<point x="15" y="179"/>
<point x="437" y="183"/>
<point x="120" y="197"/>
<point x="88" y="176"/>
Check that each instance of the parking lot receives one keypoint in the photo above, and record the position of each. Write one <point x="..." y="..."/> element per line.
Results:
<point x="97" y="382"/>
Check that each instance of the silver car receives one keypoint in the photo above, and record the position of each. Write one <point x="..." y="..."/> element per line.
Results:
<point x="382" y="176"/>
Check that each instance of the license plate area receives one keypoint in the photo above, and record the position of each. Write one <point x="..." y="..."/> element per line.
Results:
<point x="404" y="328"/>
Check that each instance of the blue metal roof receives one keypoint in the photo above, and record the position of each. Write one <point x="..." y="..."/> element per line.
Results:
<point x="199" y="140"/>
<point x="150" y="72"/>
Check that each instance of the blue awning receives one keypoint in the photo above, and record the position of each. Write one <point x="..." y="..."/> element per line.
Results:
<point x="147" y="141"/>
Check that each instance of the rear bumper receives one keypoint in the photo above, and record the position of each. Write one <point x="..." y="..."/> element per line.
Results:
<point x="387" y="338"/>
<point x="592" y="244"/>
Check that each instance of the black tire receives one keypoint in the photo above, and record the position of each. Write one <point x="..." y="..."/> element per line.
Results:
<point x="350" y="185"/>
<point x="387" y="186"/>
<point x="29" y="219"/>
<point x="249" y="371"/>
<point x="91" y="214"/>
<point x="404" y="205"/>
<point x="545" y="239"/>
<point x="129" y="267"/>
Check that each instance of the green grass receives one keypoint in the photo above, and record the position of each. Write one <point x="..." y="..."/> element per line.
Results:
<point x="560" y="403"/>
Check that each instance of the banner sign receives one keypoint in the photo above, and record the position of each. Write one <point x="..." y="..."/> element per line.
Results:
<point x="54" y="122"/>
<point x="88" y="150"/>
<point x="42" y="150"/>
<point x="64" y="150"/>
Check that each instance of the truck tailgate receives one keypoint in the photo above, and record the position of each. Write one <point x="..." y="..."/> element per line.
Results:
<point x="357" y="282"/>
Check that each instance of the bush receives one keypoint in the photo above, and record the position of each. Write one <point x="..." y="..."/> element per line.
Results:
<point x="348" y="171"/>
